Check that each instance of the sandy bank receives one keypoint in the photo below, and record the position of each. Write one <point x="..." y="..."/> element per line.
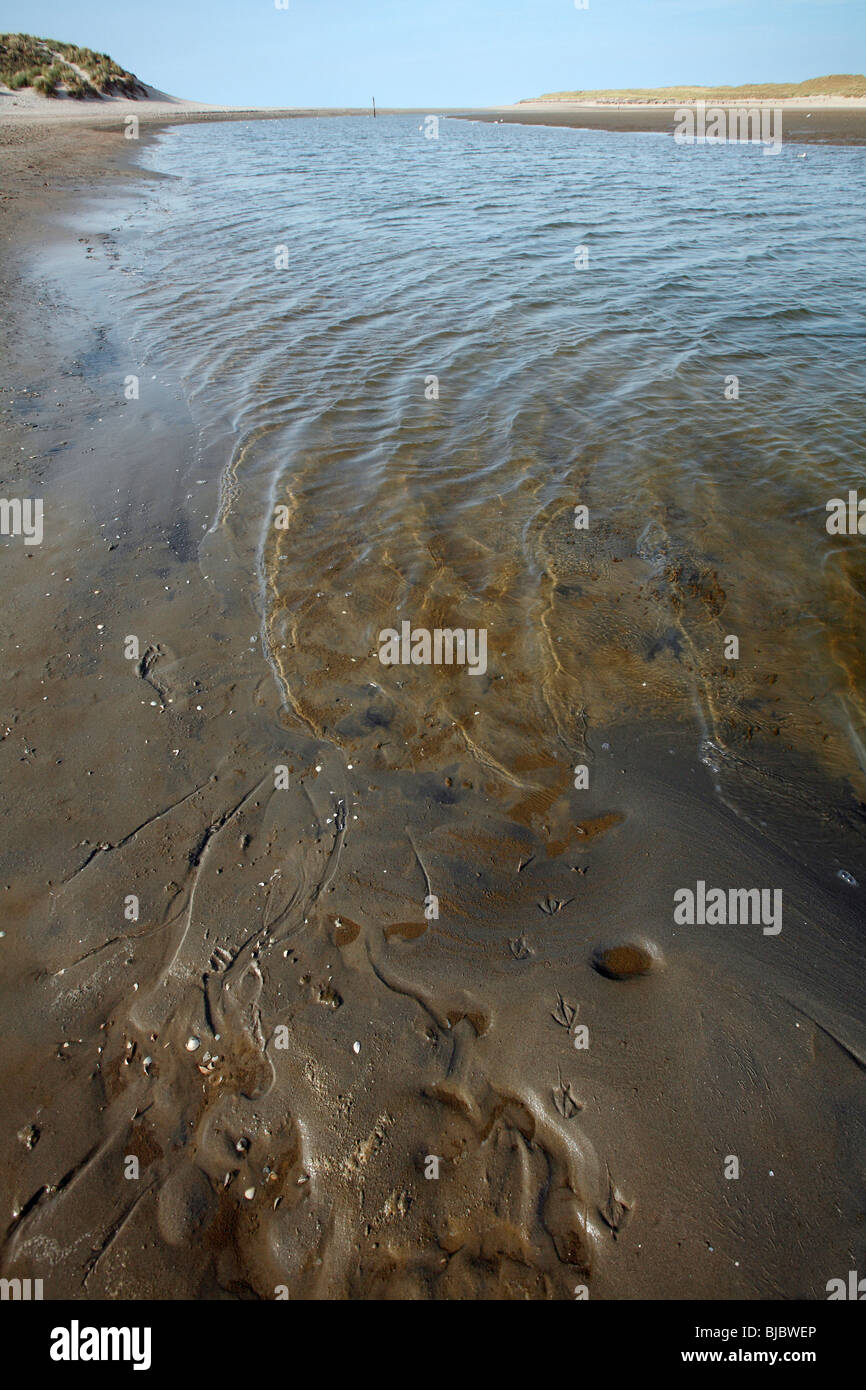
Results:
<point x="803" y="122"/>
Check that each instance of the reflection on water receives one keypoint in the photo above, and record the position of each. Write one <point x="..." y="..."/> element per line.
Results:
<point x="308" y="279"/>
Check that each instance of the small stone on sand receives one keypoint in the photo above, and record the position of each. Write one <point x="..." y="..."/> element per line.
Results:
<point x="624" y="962"/>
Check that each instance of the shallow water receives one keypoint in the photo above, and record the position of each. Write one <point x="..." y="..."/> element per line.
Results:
<point x="409" y="257"/>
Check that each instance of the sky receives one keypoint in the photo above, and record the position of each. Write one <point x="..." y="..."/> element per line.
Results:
<point x="441" y="53"/>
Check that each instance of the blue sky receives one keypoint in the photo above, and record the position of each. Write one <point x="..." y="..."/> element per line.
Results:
<point x="435" y="53"/>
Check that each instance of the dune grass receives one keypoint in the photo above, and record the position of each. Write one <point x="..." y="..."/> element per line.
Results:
<point x="49" y="66"/>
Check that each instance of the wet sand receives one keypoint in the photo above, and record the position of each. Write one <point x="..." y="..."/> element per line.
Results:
<point x="802" y="122"/>
<point x="340" y="1038"/>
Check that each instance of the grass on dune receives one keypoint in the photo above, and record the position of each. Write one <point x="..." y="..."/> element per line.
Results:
<point x="49" y="66"/>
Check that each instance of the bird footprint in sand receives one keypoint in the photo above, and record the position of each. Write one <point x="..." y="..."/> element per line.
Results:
<point x="549" y="905"/>
<point x="520" y="948"/>
<point x="565" y="1100"/>
<point x="616" y="1210"/>
<point x="564" y="1013"/>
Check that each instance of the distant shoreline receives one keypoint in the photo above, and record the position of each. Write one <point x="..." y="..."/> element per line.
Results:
<point x="629" y="104"/>
<point x="803" y="122"/>
<point x="823" y="120"/>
